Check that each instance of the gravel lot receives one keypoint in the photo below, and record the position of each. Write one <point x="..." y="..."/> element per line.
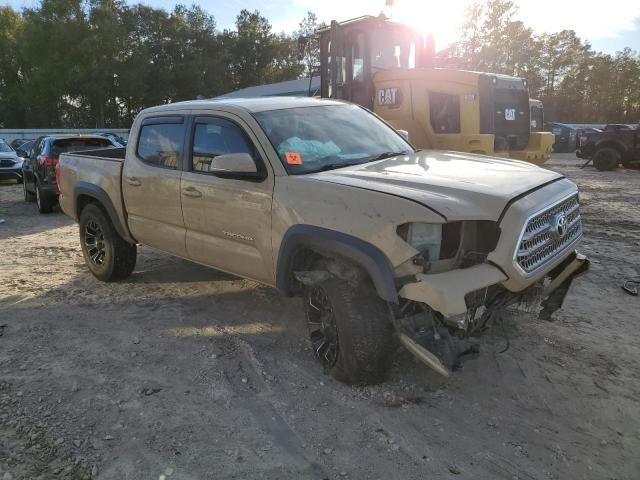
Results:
<point x="182" y="372"/>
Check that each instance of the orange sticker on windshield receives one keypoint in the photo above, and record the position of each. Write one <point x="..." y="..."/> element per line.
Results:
<point x="293" y="158"/>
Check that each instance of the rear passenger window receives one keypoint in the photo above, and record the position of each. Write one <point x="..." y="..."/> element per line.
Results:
<point x="217" y="137"/>
<point x="160" y="144"/>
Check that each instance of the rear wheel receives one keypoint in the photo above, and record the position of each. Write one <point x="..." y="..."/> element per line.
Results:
<point x="45" y="202"/>
<point x="350" y="331"/>
<point x="107" y="254"/>
<point x="28" y="196"/>
<point x="606" y="159"/>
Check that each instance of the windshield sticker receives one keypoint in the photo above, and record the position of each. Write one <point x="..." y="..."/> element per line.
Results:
<point x="293" y="158"/>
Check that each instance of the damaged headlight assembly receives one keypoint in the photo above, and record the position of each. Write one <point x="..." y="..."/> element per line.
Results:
<point x="426" y="238"/>
<point x="458" y="244"/>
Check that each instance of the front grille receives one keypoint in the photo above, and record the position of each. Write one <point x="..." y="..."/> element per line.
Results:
<point x="540" y="241"/>
<point x="6" y="163"/>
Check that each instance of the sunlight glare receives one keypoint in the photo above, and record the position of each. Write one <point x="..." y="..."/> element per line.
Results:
<point x="442" y="19"/>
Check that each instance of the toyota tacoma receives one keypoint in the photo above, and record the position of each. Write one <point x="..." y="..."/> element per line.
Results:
<point x="324" y="200"/>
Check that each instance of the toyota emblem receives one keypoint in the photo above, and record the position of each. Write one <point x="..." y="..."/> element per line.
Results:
<point x="559" y="226"/>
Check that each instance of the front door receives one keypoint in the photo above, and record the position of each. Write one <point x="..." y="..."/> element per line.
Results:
<point x="151" y="184"/>
<point x="227" y="218"/>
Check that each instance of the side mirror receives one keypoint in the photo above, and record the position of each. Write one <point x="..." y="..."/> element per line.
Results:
<point x="234" y="164"/>
<point x="22" y="153"/>
<point x="404" y="134"/>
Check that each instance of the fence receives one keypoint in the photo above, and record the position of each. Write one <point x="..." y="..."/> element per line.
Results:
<point x="10" y="134"/>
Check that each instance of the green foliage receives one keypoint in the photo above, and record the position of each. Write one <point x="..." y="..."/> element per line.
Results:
<point x="575" y="83"/>
<point x="80" y="63"/>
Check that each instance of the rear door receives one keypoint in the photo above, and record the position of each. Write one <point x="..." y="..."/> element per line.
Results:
<point x="151" y="184"/>
<point x="227" y="219"/>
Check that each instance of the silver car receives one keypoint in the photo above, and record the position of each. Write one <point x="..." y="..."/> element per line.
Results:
<point x="10" y="163"/>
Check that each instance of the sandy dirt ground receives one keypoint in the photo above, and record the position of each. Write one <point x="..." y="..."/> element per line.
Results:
<point x="182" y="372"/>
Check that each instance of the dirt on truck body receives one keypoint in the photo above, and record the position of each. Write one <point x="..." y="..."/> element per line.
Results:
<point x="323" y="200"/>
<point x="190" y="373"/>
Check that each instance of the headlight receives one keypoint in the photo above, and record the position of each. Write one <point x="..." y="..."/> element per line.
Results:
<point x="424" y="237"/>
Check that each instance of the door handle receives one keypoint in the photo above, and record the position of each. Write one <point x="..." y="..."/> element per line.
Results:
<point x="192" y="192"/>
<point x="134" y="182"/>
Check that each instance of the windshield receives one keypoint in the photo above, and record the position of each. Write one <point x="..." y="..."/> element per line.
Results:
<point x="311" y="139"/>
<point x="393" y="48"/>
<point x="4" y="147"/>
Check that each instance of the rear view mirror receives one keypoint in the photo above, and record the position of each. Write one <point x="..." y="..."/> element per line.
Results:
<point x="233" y="164"/>
<point x="404" y="134"/>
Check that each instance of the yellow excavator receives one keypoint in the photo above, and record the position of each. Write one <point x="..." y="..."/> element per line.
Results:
<point x="389" y="68"/>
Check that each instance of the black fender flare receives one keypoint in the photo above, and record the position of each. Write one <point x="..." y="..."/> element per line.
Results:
<point x="611" y="143"/>
<point x="325" y="241"/>
<point x="94" y="191"/>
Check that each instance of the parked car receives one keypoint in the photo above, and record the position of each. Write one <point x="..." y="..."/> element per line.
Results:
<point x="16" y="143"/>
<point x="117" y="139"/>
<point x="615" y="145"/>
<point x="39" y="168"/>
<point x="565" y="136"/>
<point x="324" y="200"/>
<point x="10" y="162"/>
<point x="24" y="149"/>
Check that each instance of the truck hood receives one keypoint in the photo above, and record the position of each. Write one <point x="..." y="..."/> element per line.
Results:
<point x="458" y="186"/>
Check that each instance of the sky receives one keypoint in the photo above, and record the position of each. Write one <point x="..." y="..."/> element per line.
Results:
<point x="609" y="25"/>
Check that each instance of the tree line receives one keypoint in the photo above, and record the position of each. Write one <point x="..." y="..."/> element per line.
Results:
<point x="80" y="63"/>
<point x="75" y="63"/>
<point x="575" y="83"/>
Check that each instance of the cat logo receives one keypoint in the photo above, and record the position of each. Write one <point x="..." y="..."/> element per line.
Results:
<point x="388" y="96"/>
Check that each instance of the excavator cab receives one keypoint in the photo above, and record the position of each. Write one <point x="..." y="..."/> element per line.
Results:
<point x="352" y="52"/>
<point x="389" y="68"/>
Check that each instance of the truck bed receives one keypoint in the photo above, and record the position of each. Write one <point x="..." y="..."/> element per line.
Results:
<point x="95" y="173"/>
<point x="102" y="153"/>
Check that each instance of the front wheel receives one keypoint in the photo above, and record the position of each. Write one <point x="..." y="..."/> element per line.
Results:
<point x="606" y="159"/>
<point x="350" y="331"/>
<point x="107" y="254"/>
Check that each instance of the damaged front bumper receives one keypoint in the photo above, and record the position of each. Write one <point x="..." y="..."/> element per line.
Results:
<point x="446" y="292"/>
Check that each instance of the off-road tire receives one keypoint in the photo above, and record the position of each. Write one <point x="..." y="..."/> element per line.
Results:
<point x="119" y="256"/>
<point x="606" y="159"/>
<point x="364" y="331"/>
<point x="45" y="202"/>
<point x="28" y="196"/>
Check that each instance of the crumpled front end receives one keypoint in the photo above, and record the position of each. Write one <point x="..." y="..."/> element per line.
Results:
<point x="533" y="260"/>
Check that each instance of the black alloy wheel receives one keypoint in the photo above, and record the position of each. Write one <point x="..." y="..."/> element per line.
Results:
<point x="94" y="242"/>
<point x="323" y="331"/>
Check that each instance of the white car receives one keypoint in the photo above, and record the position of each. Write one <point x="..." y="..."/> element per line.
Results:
<point x="10" y="163"/>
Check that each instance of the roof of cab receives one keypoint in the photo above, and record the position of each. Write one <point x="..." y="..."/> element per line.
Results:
<point x="244" y="104"/>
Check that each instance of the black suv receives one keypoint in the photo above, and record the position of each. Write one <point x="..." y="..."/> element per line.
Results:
<point x="38" y="170"/>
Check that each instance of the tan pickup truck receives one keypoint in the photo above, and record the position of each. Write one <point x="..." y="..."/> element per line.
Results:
<point x="324" y="200"/>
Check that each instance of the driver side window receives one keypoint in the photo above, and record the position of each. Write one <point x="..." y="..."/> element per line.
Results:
<point x="213" y="137"/>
